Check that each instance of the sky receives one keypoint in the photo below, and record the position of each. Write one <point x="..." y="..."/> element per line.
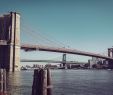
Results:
<point x="80" y="24"/>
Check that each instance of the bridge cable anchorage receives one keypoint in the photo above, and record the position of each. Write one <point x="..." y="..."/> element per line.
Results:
<point x="42" y="36"/>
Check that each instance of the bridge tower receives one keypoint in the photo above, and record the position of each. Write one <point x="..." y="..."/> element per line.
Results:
<point x="10" y="41"/>
<point x="64" y="61"/>
<point x="110" y="54"/>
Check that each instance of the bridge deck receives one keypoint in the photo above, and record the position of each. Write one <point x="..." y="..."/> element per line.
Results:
<point x="52" y="61"/>
<point x="28" y="47"/>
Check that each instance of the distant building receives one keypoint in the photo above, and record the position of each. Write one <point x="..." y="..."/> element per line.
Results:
<point x="37" y="66"/>
<point x="51" y="66"/>
<point x="98" y="63"/>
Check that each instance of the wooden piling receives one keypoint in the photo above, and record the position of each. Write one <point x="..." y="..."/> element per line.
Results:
<point x="39" y="82"/>
<point x="42" y="82"/>
<point x="49" y="85"/>
<point x="35" y="82"/>
<point x="3" y="82"/>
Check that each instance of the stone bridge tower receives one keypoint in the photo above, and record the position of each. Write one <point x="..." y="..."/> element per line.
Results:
<point x="110" y="54"/>
<point x="64" y="61"/>
<point x="10" y="41"/>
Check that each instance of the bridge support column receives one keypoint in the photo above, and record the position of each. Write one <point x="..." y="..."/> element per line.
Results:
<point x="10" y="33"/>
<point x="64" y="61"/>
<point x="110" y="54"/>
<point x="110" y="64"/>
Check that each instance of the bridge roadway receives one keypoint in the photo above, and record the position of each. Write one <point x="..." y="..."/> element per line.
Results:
<point x="29" y="47"/>
<point x="52" y="61"/>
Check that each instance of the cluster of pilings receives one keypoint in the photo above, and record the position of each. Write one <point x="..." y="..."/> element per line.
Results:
<point x="42" y="82"/>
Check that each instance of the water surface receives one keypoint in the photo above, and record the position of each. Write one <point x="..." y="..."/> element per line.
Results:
<point x="66" y="82"/>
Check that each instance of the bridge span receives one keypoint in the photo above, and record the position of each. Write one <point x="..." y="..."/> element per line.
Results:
<point x="29" y="47"/>
<point x="52" y="61"/>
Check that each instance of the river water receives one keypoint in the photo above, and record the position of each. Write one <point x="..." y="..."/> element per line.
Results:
<point x="65" y="82"/>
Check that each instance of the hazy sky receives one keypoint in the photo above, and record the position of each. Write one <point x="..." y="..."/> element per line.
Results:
<point x="82" y="24"/>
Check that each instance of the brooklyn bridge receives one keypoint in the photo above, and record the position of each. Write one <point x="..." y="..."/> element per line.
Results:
<point x="10" y="45"/>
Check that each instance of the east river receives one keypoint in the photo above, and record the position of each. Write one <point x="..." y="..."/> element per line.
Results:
<point x="65" y="82"/>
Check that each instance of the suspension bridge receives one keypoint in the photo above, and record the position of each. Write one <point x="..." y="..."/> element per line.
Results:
<point x="10" y="45"/>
